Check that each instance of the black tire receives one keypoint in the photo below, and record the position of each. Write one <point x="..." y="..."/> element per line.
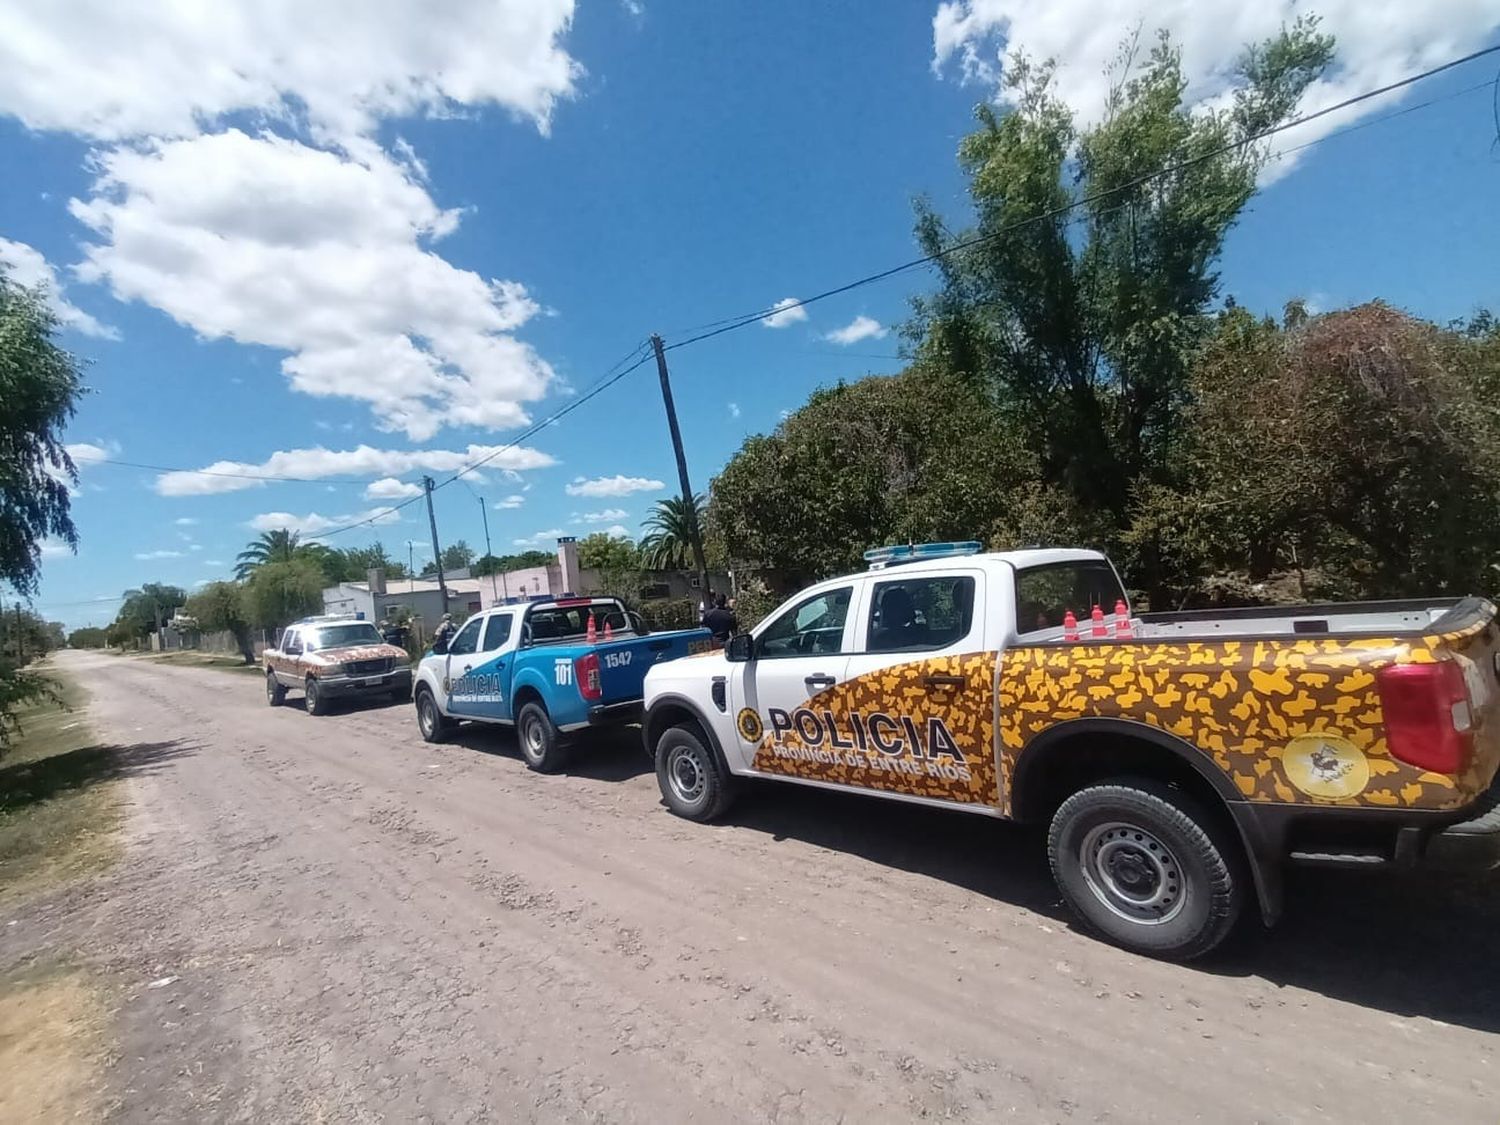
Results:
<point x="433" y="725"/>
<point x="692" y="782"/>
<point x="543" y="748"/>
<point x="275" y="693"/>
<point x="1147" y="868"/>
<point x="316" y="701"/>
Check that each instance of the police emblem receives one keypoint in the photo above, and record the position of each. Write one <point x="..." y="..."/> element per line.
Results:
<point x="748" y="722"/>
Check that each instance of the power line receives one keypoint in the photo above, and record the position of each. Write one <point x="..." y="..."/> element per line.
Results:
<point x="732" y="324"/>
<point x="609" y="379"/>
<point x="222" y="473"/>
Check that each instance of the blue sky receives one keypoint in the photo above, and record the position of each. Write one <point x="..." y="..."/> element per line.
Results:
<point x="299" y="261"/>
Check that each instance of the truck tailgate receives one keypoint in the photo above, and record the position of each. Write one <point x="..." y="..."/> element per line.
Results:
<point x="1470" y="634"/>
<point x="623" y="664"/>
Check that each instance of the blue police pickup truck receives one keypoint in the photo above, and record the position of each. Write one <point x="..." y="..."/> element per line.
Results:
<point x="551" y="668"/>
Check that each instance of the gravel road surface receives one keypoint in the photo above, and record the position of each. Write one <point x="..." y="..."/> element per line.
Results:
<point x="325" y="919"/>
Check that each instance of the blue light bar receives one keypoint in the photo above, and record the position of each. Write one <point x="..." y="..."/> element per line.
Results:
<point x="882" y="557"/>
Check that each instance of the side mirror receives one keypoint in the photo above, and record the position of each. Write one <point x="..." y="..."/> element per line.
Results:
<point x="439" y="648"/>
<point x="740" y="649"/>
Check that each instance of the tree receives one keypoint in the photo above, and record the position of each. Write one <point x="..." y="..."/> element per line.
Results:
<point x="145" y="610"/>
<point x="221" y="607"/>
<point x="602" y="551"/>
<point x="1082" y="323"/>
<point x="88" y="637"/>
<point x="922" y="455"/>
<point x="668" y="542"/>
<point x="457" y="555"/>
<point x="279" y="592"/>
<point x="353" y="564"/>
<point x="279" y="545"/>
<point x="499" y="564"/>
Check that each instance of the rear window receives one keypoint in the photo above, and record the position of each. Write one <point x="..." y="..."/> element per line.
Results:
<point x="341" y="636"/>
<point x="1045" y="593"/>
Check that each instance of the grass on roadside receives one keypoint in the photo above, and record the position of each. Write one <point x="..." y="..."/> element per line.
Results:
<point x="60" y="804"/>
<point x="51" y="1045"/>
<point x="193" y="658"/>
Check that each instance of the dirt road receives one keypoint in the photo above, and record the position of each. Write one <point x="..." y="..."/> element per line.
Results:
<point x="355" y="927"/>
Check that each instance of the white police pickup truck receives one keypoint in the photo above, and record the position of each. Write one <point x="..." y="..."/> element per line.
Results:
<point x="1182" y="760"/>
<point x="551" y="668"/>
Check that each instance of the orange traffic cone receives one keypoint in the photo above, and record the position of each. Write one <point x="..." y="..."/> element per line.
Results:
<point x="1097" y="617"/>
<point x="1070" y="626"/>
<point x="593" y="634"/>
<point x="609" y="634"/>
<point x="1122" y="619"/>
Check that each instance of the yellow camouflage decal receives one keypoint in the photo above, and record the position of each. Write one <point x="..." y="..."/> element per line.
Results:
<point x="1244" y="704"/>
<point x="895" y="730"/>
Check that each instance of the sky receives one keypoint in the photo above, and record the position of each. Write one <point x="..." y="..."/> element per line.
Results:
<point x="350" y="243"/>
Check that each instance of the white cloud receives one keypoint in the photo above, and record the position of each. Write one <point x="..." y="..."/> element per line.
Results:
<point x="1377" y="43"/>
<point x="185" y="521"/>
<point x="618" y="531"/>
<point x="263" y="240"/>
<point x="26" y="266"/>
<point x="313" y="523"/>
<point x="634" y="7"/>
<point x="509" y="502"/>
<point x="88" y="453"/>
<point x="318" y="463"/>
<point x="612" y="486"/>
<point x="389" y="488"/>
<point x="734" y="410"/>
<point x="790" y="312"/>
<point x="54" y="549"/>
<point x="340" y="64"/>
<point x="196" y="547"/>
<point x="608" y="515"/>
<point x="548" y="537"/>
<point x="214" y="562"/>
<point x="159" y="555"/>
<point x="860" y="328"/>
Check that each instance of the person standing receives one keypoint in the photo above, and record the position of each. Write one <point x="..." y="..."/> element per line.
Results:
<point x="720" y="621"/>
<point x="444" y="633"/>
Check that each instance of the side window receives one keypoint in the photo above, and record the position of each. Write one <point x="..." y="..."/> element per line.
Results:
<point x="808" y="628"/>
<point x="1044" y="594"/>
<point x="919" y="614"/>
<point x="467" y="639"/>
<point x="290" y="641"/>
<point x="496" y="632"/>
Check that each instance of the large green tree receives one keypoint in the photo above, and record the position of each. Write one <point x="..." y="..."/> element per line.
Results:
<point x="221" y="607"/>
<point x="1092" y="278"/>
<point x="278" y="593"/>
<point x="922" y="455"/>
<point x="145" y="610"/>
<point x="277" y="545"/>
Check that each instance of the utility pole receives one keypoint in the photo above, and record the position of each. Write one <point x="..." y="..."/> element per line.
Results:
<point x="437" y="552"/>
<point x="489" y="554"/>
<point x="682" y="472"/>
<point x="411" y="573"/>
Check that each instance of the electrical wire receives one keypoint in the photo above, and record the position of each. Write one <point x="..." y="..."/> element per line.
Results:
<point x="221" y="473"/>
<point x="732" y="324"/>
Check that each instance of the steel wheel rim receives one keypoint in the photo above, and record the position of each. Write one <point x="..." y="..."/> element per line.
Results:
<point x="531" y="739"/>
<point x="686" y="776"/>
<point x="424" y="717"/>
<point x="312" y="693"/>
<point x="270" y="687"/>
<point x="1132" y="873"/>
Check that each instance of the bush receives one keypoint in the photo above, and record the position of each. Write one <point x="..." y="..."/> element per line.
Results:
<point x="674" y="613"/>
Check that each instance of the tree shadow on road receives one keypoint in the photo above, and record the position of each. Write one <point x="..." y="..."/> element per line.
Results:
<point x="27" y="783"/>
<point x="1411" y="947"/>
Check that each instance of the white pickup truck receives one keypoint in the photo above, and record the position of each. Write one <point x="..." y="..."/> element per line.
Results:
<point x="1181" y="760"/>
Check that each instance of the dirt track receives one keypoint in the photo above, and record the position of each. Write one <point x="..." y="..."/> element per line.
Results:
<point x="362" y="929"/>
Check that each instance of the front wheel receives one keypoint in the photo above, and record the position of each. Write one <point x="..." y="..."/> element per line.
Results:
<point x="542" y="744"/>
<point x="430" y="721"/>
<point x="692" y="782"/>
<point x="317" y="702"/>
<point x="1146" y="867"/>
<point x="275" y="693"/>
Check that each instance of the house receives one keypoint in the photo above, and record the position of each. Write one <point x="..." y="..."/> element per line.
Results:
<point x="377" y="600"/>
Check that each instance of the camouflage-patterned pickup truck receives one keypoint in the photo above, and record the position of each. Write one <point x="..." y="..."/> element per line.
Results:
<point x="1182" y="760"/>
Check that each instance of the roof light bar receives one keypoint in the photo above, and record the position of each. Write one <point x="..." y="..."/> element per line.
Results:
<point x="881" y="557"/>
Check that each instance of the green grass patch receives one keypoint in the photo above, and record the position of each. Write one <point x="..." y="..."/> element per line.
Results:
<point x="192" y="658"/>
<point x="60" y="804"/>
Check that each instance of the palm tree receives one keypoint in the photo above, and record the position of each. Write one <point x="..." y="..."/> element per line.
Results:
<point x="670" y="531"/>
<point x="280" y="545"/>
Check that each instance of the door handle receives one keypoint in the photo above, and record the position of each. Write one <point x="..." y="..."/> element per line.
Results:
<point x="468" y="667"/>
<point x="939" y="681"/>
<point x="819" y="680"/>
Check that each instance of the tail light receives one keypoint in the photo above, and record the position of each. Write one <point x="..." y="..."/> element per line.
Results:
<point x="586" y="676"/>
<point x="1427" y="719"/>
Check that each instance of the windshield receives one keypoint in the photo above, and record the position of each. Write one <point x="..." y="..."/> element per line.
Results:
<point x="341" y="636"/>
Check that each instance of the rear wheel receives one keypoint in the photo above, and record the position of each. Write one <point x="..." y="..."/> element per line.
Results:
<point x="430" y="721"/>
<point x="542" y="744"/>
<point x="692" y="782"/>
<point x="317" y="702"/>
<point x="1146" y="867"/>
<point x="275" y="693"/>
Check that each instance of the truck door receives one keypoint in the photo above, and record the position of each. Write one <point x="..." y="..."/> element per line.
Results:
<point x="777" y="697"/>
<point x="919" y="697"/>
<point x="461" y="658"/>
<point x="480" y="684"/>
